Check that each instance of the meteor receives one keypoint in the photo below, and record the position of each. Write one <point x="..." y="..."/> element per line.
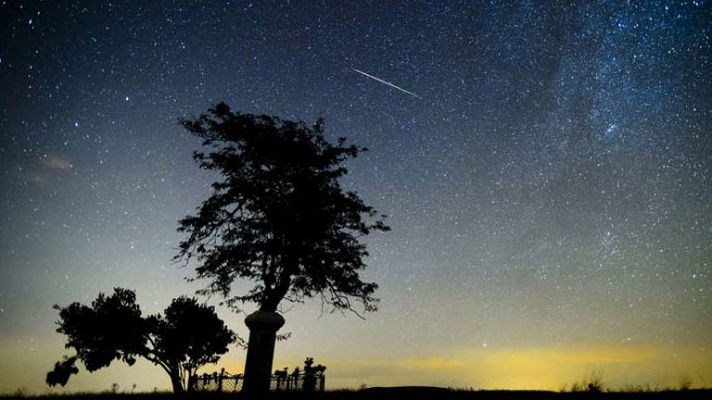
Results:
<point x="386" y="83"/>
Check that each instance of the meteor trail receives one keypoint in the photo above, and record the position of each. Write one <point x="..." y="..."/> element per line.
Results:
<point x="386" y="83"/>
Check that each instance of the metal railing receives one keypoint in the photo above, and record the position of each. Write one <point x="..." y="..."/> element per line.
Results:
<point x="217" y="382"/>
<point x="280" y="381"/>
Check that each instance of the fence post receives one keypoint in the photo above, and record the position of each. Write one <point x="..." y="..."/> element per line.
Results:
<point x="220" y="380"/>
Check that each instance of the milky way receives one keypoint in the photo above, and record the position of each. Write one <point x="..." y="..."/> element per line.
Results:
<point x="549" y="197"/>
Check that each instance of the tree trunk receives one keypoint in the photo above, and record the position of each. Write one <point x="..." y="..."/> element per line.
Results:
<point x="191" y="382"/>
<point x="263" y="327"/>
<point x="176" y="382"/>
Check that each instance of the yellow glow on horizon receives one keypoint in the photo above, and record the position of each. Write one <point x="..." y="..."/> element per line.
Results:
<point x="555" y="367"/>
<point x="435" y="363"/>
<point x="544" y="368"/>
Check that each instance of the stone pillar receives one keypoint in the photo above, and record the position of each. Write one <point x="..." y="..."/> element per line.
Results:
<point x="263" y="327"/>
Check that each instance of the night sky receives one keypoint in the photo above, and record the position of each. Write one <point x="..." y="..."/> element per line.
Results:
<point x="548" y="179"/>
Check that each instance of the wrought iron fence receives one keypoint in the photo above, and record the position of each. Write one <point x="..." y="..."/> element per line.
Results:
<point x="305" y="382"/>
<point x="280" y="381"/>
<point x="217" y="382"/>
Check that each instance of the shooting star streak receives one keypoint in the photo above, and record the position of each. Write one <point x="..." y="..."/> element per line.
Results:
<point x="386" y="83"/>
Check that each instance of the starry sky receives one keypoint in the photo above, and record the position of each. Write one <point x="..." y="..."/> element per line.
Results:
<point x="549" y="188"/>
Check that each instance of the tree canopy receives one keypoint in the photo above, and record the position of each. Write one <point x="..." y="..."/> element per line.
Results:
<point x="278" y="216"/>
<point x="187" y="336"/>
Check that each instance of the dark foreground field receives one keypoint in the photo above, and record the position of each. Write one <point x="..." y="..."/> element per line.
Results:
<point x="409" y="393"/>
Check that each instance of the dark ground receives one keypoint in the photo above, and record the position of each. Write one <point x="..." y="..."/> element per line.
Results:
<point x="410" y="393"/>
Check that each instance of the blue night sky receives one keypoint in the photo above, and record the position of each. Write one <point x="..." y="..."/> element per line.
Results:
<point x="549" y="188"/>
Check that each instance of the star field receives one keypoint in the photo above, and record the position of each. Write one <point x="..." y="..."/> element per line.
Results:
<point x="549" y="195"/>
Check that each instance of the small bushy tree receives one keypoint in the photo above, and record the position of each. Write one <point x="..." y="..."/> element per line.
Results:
<point x="187" y="336"/>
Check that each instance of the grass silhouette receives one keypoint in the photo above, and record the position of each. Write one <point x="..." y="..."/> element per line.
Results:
<point x="388" y="393"/>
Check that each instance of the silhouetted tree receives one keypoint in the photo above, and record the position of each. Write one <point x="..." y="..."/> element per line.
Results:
<point x="278" y="216"/>
<point x="188" y="336"/>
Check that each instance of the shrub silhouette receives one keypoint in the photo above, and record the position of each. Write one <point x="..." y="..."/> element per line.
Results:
<point x="62" y="371"/>
<point x="187" y="336"/>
